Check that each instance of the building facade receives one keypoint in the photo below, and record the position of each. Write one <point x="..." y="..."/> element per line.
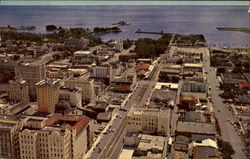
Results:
<point x="31" y="73"/>
<point x="59" y="137"/>
<point x="193" y="86"/>
<point x="83" y="57"/>
<point x="72" y="95"/>
<point x="19" y="91"/>
<point x="149" y="120"/>
<point x="47" y="95"/>
<point x="101" y="72"/>
<point x="9" y="140"/>
<point x="86" y="85"/>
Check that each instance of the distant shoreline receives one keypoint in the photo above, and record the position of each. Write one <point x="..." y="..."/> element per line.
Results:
<point x="129" y="2"/>
<point x="244" y="30"/>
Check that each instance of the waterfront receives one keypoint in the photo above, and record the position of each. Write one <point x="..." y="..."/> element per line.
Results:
<point x="181" y="19"/>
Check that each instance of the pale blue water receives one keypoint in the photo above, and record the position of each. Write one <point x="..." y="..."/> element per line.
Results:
<point x="175" y="19"/>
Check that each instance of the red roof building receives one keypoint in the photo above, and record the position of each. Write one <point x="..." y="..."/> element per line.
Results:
<point x="244" y="85"/>
<point x="69" y="122"/>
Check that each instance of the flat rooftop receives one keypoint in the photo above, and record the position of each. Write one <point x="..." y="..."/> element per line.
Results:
<point x="50" y="82"/>
<point x="196" y="128"/>
<point x="126" y="154"/>
<point x="233" y="75"/>
<point x="148" y="142"/>
<point x="171" y="70"/>
<point x="8" y="121"/>
<point x="193" y="65"/>
<point x="81" y="52"/>
<point x="170" y="85"/>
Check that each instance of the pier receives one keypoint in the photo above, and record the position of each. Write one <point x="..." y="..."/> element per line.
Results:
<point x="149" y="32"/>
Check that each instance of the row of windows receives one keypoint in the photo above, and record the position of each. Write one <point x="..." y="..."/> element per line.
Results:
<point x="27" y="147"/>
<point x="26" y="142"/>
<point x="43" y="145"/>
<point x="151" y="128"/>
<point x="134" y="123"/>
<point x="149" y="119"/>
<point x="137" y="119"/>
<point x="27" y="153"/>
<point x="4" y="135"/>
<point x="44" y="155"/>
<point x="28" y="157"/>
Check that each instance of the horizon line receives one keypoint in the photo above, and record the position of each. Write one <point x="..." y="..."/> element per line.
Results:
<point x="122" y="3"/>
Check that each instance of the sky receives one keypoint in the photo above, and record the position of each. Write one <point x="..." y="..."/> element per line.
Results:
<point x="113" y="2"/>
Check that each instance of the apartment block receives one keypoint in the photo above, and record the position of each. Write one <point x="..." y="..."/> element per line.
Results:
<point x="47" y="95"/>
<point x="58" y="137"/>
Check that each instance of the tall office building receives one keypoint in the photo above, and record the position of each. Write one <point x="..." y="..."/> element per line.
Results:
<point x="31" y="73"/>
<point x="47" y="95"/>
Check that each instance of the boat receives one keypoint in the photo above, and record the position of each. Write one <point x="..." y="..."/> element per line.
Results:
<point x="122" y="23"/>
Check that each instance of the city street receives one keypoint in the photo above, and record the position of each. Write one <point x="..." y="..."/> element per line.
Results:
<point x="223" y="115"/>
<point x="118" y="125"/>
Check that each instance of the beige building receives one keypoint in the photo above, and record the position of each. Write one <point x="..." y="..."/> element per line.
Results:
<point x="19" y="91"/>
<point x="193" y="86"/>
<point x="81" y="43"/>
<point x="59" y="137"/>
<point x="83" y="57"/>
<point x="145" y="146"/>
<point x="118" y="46"/>
<point x="9" y="141"/>
<point x="86" y="85"/>
<point x="101" y="72"/>
<point x="12" y="108"/>
<point x="72" y="95"/>
<point x="47" y="95"/>
<point x="152" y="120"/>
<point x="32" y="73"/>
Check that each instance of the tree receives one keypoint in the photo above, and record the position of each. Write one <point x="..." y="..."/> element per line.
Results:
<point x="149" y="48"/>
<point x="94" y="41"/>
<point x="226" y="149"/>
<point x="51" y="27"/>
<point x="127" y="43"/>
